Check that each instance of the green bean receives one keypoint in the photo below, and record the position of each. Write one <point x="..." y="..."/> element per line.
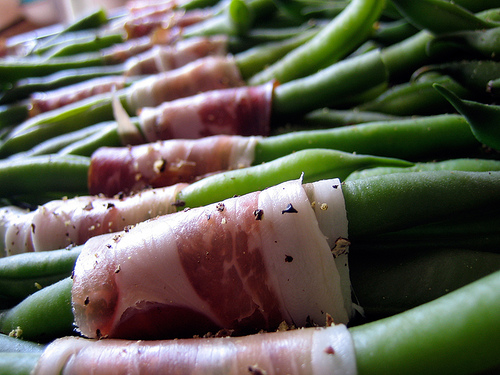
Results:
<point x="455" y="334"/>
<point x="414" y="139"/>
<point x="18" y="363"/>
<point x="482" y="118"/>
<point x="483" y="43"/>
<point x="346" y="31"/>
<point x="92" y="20"/>
<point x="60" y="121"/>
<point x="326" y="118"/>
<point x="10" y="344"/>
<point x="477" y="231"/>
<point x="23" y="88"/>
<point x="391" y="280"/>
<point x="12" y="115"/>
<point x="92" y="44"/>
<point x="107" y="136"/>
<point x="381" y="203"/>
<point x="415" y="98"/>
<point x="392" y="32"/>
<point x="440" y="16"/>
<point x="314" y="163"/>
<point x="24" y="274"/>
<point x="58" y="143"/>
<point x="462" y="164"/>
<point x="347" y="77"/>
<point x="473" y="75"/>
<point x="43" y="316"/>
<point x="44" y="173"/>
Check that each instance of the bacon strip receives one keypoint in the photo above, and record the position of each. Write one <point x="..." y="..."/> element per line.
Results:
<point x="234" y="111"/>
<point x="244" y="264"/>
<point x="61" y="223"/>
<point x="116" y="170"/>
<point x="306" y="351"/>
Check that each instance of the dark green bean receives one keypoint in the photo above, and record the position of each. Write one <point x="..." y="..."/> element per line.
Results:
<point x="93" y="44"/>
<point x="440" y="16"/>
<point x="107" y="136"/>
<point x="415" y="98"/>
<point x="455" y="334"/>
<point x="483" y="118"/>
<point x="391" y="280"/>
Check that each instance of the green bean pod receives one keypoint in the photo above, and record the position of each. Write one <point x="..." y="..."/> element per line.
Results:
<point x="455" y="334"/>
<point x="45" y="173"/>
<point x="415" y="98"/>
<point x="389" y="281"/>
<point x="315" y="164"/>
<point x="93" y="44"/>
<point x="414" y="139"/>
<point x="341" y="36"/>
<point x="439" y="16"/>
<point x="396" y="201"/>
<point x="461" y="164"/>
<point x="483" y="118"/>
<point x="43" y="316"/>
<point x="24" y="274"/>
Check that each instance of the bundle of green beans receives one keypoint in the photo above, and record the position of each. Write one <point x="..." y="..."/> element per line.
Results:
<point x="397" y="97"/>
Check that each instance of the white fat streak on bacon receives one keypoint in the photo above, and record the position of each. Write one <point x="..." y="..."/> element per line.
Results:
<point x="223" y="266"/>
<point x="49" y="100"/>
<point x="162" y="58"/>
<point x="318" y="351"/>
<point x="163" y="163"/>
<point x="208" y="73"/>
<point x="233" y="111"/>
<point x="62" y="223"/>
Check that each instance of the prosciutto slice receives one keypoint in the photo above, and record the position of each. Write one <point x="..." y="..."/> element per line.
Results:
<point x="244" y="264"/>
<point x="233" y="111"/>
<point x="209" y="73"/>
<point x="62" y="223"/>
<point x="162" y="58"/>
<point x="164" y="163"/>
<point x="318" y="351"/>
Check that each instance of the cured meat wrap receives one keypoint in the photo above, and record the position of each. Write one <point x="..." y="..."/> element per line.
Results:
<point x="164" y="163"/>
<point x="316" y="351"/>
<point x="210" y="117"/>
<point x="162" y="58"/>
<point x="209" y="73"/>
<point x="66" y="222"/>
<point x="233" y="111"/>
<point x="158" y="59"/>
<point x="244" y="264"/>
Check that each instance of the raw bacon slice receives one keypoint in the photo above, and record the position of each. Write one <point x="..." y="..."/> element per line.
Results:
<point x="208" y="73"/>
<point x="164" y="58"/>
<point x="116" y="170"/>
<point x="234" y="111"/>
<point x="318" y="351"/>
<point x="62" y="223"/>
<point x="244" y="264"/>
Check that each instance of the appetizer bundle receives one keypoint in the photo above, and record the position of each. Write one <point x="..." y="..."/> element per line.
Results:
<point x="253" y="186"/>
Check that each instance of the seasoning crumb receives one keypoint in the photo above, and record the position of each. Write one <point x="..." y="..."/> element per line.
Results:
<point x="288" y="258"/>
<point x="289" y="210"/>
<point x="258" y="213"/>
